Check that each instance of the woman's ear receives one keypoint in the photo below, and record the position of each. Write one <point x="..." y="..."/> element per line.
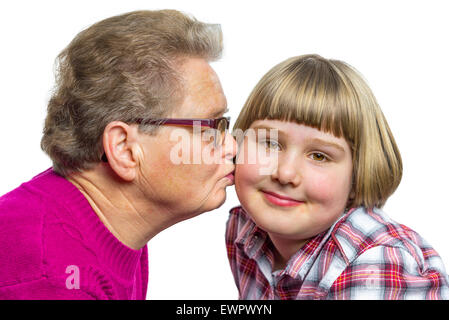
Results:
<point x="119" y="142"/>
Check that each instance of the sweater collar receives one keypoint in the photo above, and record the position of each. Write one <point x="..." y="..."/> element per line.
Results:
<point x="120" y="259"/>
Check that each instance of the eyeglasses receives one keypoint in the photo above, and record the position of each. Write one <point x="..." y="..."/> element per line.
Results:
<point x="219" y="125"/>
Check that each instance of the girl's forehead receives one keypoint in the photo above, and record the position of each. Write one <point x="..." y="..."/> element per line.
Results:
<point x="291" y="128"/>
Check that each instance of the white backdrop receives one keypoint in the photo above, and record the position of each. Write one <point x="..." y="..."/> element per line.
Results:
<point x="399" y="46"/>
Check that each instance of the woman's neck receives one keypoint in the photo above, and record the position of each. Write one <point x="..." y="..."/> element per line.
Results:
<point x="121" y="207"/>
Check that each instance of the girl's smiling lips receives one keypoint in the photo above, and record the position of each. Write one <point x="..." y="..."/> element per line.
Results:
<point x="280" y="200"/>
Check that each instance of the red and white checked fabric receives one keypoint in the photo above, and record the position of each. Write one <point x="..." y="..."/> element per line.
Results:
<point x="364" y="255"/>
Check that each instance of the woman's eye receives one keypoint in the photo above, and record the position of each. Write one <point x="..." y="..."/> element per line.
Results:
<point x="208" y="134"/>
<point x="317" y="156"/>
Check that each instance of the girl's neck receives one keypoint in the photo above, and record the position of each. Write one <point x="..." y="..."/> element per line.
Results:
<point x="284" y="250"/>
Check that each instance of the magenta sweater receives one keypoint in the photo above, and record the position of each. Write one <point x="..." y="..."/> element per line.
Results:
<point x="54" y="246"/>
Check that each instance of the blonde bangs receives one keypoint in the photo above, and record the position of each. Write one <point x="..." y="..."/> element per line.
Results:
<point x="305" y="91"/>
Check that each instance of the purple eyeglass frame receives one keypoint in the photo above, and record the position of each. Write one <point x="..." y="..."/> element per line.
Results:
<point x="188" y="122"/>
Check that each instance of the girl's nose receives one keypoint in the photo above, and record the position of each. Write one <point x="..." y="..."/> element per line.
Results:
<point x="288" y="171"/>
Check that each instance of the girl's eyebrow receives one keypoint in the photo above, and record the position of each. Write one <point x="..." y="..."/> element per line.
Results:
<point x="325" y="143"/>
<point x="310" y="140"/>
<point x="262" y="126"/>
<point x="268" y="128"/>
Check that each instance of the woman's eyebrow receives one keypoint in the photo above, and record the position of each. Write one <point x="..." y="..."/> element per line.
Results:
<point x="326" y="143"/>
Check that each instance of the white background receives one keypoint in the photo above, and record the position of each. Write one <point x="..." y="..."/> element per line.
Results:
<point x="399" y="46"/>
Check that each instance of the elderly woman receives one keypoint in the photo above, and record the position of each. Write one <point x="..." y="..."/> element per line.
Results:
<point x="127" y="88"/>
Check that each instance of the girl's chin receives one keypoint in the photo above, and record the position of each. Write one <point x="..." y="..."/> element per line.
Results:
<point x="283" y="228"/>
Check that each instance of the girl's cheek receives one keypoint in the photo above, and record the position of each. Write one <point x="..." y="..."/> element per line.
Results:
<point x="327" y="188"/>
<point x="246" y="174"/>
<point x="321" y="186"/>
<point x="247" y="165"/>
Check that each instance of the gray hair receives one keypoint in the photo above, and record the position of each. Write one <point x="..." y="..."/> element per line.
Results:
<point x="121" y="68"/>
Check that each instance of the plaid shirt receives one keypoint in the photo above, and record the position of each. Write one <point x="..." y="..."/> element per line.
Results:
<point x="364" y="255"/>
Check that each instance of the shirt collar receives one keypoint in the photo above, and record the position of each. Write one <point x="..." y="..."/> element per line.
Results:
<point x="251" y="239"/>
<point x="257" y="245"/>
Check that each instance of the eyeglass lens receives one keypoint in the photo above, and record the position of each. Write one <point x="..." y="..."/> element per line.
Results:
<point x="222" y="127"/>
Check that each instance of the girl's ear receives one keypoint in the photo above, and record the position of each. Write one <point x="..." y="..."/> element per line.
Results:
<point x="352" y="192"/>
<point x="351" y="198"/>
<point x="352" y="195"/>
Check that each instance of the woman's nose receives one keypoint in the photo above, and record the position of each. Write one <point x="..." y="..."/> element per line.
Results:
<point x="230" y="147"/>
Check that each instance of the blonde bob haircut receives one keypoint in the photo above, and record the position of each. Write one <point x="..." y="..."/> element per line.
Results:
<point x="332" y="96"/>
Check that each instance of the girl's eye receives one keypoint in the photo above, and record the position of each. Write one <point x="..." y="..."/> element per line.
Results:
<point x="317" y="156"/>
<point x="271" y="144"/>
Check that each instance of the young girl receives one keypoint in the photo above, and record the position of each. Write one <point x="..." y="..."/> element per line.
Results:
<point x="312" y="228"/>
